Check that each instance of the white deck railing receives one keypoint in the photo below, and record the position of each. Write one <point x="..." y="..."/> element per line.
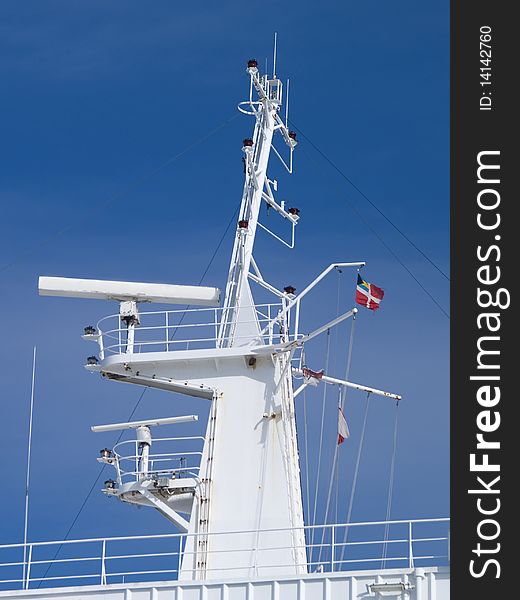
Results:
<point x="165" y="462"/>
<point x="188" y="329"/>
<point x="337" y="547"/>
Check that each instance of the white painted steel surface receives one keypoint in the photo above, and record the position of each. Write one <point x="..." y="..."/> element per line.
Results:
<point x="145" y="422"/>
<point x="432" y="583"/>
<point x="420" y="543"/>
<point x="69" y="287"/>
<point x="246" y="514"/>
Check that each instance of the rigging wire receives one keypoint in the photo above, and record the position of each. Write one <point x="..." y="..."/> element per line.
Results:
<point x="335" y="461"/>
<point x="336" y="479"/>
<point x="318" y="468"/>
<point x="306" y="452"/>
<point x="329" y="492"/>
<point x="336" y="474"/>
<point x="343" y="398"/>
<point x="93" y="486"/>
<point x="390" y="487"/>
<point x="354" y="482"/>
<point x="392" y="253"/>
<point x="28" y="468"/>
<point x="363" y="195"/>
<point x="338" y="303"/>
<point x="87" y="215"/>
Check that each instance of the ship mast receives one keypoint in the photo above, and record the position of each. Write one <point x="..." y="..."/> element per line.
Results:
<point x="257" y="187"/>
<point x="241" y="507"/>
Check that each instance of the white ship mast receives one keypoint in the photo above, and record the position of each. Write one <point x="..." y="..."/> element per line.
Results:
<point x="241" y="361"/>
<point x="235" y="330"/>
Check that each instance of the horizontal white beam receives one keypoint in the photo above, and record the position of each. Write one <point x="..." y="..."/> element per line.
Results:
<point x="311" y="285"/>
<point x="350" y="384"/>
<point x="329" y="325"/>
<point x="163" y="293"/>
<point x="162" y="383"/>
<point x="146" y="423"/>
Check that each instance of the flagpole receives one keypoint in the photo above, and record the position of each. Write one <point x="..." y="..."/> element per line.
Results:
<point x="28" y="470"/>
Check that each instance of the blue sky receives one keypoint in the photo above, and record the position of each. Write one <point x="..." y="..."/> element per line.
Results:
<point x="97" y="95"/>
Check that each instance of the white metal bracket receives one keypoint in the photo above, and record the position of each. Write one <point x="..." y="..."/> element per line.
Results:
<point x="343" y="382"/>
<point x="163" y="508"/>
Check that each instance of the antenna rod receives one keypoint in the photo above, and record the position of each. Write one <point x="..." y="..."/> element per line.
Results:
<point x="28" y="471"/>
<point x="287" y="106"/>
<point x="274" y="55"/>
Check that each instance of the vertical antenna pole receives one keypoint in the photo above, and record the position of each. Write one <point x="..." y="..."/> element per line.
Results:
<point x="287" y="106"/>
<point x="28" y="471"/>
<point x="274" y="55"/>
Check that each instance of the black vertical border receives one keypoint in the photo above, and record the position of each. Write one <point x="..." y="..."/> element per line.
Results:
<point x="472" y="131"/>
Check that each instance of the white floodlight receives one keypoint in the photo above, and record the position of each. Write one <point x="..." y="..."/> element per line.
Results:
<point x="128" y="290"/>
<point x="145" y="423"/>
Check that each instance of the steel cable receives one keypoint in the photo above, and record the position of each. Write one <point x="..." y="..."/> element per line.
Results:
<point x="354" y="482"/>
<point x="390" y="488"/>
<point x="89" y="493"/>
<point x="395" y="256"/>
<point x="318" y="468"/>
<point x="87" y="215"/>
<point x="363" y="195"/>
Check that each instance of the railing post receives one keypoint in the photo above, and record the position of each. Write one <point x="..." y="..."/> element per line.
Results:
<point x="103" y="570"/>
<point x="167" y="328"/>
<point x="332" y="543"/>
<point x="180" y="557"/>
<point x="136" y="457"/>
<point x="297" y="320"/>
<point x="100" y="343"/>
<point x="28" y="570"/>
<point x="410" y="546"/>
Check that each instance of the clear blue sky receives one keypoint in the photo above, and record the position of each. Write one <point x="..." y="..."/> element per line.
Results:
<point x="96" y="94"/>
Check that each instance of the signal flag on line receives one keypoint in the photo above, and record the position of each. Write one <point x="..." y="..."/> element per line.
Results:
<point x="368" y="294"/>
<point x="343" y="430"/>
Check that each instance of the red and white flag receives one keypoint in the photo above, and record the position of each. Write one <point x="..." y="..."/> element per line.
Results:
<point x="343" y="430"/>
<point x="368" y="294"/>
<point x="312" y="377"/>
